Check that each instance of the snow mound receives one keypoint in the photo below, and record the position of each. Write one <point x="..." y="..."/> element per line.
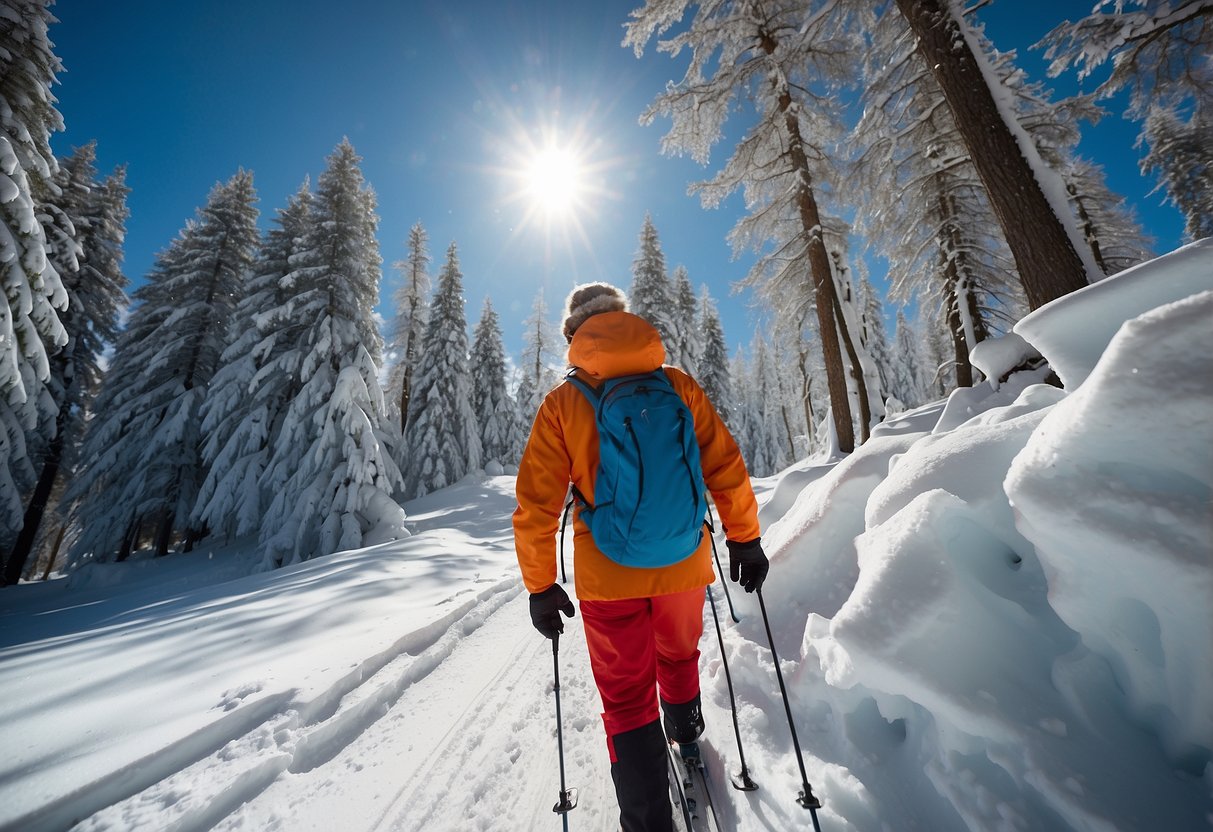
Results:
<point x="1072" y="332"/>
<point x="1118" y="509"/>
<point x="1004" y="617"/>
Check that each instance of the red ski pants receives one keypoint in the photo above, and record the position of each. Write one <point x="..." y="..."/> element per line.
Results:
<point x="638" y="645"/>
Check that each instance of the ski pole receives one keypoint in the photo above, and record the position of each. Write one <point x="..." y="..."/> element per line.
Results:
<point x="564" y="578"/>
<point x="806" y="797"/>
<point x="720" y="569"/>
<point x="568" y="797"/>
<point x="742" y="782"/>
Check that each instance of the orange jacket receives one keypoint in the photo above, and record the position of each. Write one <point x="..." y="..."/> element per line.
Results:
<point x="563" y="449"/>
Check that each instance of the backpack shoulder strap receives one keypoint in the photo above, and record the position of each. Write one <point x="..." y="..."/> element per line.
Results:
<point x="592" y="393"/>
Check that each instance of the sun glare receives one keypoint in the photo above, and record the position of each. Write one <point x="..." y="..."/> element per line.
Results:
<point x="554" y="182"/>
<point x="557" y="182"/>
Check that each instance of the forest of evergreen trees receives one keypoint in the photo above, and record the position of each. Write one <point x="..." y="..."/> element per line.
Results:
<point x="245" y="389"/>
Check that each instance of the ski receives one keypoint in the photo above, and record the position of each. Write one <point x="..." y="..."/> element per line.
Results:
<point x="693" y="796"/>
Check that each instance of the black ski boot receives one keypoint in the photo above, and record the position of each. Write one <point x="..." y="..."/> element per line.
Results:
<point x="683" y="723"/>
<point x="641" y="775"/>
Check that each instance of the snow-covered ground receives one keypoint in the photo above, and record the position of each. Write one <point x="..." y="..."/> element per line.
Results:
<point x="996" y="614"/>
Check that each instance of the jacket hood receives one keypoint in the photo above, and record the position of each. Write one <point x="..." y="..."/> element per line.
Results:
<point x="614" y="344"/>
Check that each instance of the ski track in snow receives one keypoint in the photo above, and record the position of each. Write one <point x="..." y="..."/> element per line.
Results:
<point x="386" y="747"/>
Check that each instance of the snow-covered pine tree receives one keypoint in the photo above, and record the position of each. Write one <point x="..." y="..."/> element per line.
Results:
<point x="787" y="339"/>
<point x="258" y="377"/>
<point x="1158" y="50"/>
<point x="745" y="424"/>
<point x="873" y="333"/>
<point x="688" y="338"/>
<point x="496" y="412"/>
<point x="1027" y="197"/>
<point x="1107" y="222"/>
<point x="925" y="205"/>
<point x="412" y="308"/>
<point x="30" y="329"/>
<point x="906" y="382"/>
<point x="89" y="262"/>
<point x="442" y="437"/>
<point x="713" y="364"/>
<point x="787" y="58"/>
<point x="651" y="295"/>
<point x="143" y="451"/>
<point x="330" y="470"/>
<point x="543" y="351"/>
<point x="1181" y="154"/>
<point x="938" y="367"/>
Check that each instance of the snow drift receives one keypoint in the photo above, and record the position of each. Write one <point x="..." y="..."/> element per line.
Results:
<point x="995" y="615"/>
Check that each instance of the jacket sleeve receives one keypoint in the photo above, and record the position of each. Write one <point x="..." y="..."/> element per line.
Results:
<point x="543" y="482"/>
<point x="724" y="470"/>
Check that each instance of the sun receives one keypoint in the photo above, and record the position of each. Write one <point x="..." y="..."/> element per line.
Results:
<point x="554" y="181"/>
<point x="555" y="184"/>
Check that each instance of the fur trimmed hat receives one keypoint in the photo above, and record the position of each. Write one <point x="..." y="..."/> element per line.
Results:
<point x="590" y="299"/>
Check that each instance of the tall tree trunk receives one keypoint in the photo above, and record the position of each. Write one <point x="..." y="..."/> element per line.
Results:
<point x="54" y="556"/>
<point x="861" y="382"/>
<point x="15" y="565"/>
<point x="819" y="262"/>
<point x="861" y="385"/>
<point x="133" y="530"/>
<point x="806" y="393"/>
<point x="787" y="426"/>
<point x="164" y="534"/>
<point x="1048" y="264"/>
<point x="1089" y="232"/>
<point x="960" y="345"/>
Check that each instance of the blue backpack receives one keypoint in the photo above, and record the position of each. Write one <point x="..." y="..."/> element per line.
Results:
<point x="649" y="492"/>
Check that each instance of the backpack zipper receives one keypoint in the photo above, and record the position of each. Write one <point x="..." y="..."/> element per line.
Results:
<point x="627" y="423"/>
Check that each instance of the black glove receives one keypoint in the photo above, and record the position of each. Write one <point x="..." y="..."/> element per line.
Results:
<point x="546" y="607"/>
<point x="748" y="564"/>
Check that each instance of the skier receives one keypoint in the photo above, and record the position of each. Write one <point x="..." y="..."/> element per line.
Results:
<point x="642" y="625"/>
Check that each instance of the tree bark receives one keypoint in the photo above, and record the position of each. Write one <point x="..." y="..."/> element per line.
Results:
<point x="164" y="534"/>
<point x="861" y="386"/>
<point x="1048" y="264"/>
<point x="960" y="346"/>
<point x="1089" y="232"/>
<point x="54" y="556"/>
<point x="15" y="565"/>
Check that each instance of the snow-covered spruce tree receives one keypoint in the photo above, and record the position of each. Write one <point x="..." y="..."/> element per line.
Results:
<point x="443" y="438"/>
<point x="1181" y="152"/>
<point x="1028" y="199"/>
<point x="258" y="377"/>
<point x="713" y="365"/>
<point x="688" y="337"/>
<point x="925" y="206"/>
<point x="143" y="451"/>
<point x="788" y="57"/>
<point x="906" y="383"/>
<point x="872" y="333"/>
<point x="412" y="307"/>
<point x="89" y="262"/>
<point x="30" y="329"/>
<point x="1107" y="222"/>
<point x="746" y="423"/>
<point x="787" y="343"/>
<point x="651" y="295"/>
<point x="496" y="413"/>
<point x="543" y="351"/>
<point x="1159" y="52"/>
<point x="330" y="470"/>
<point x="938" y="368"/>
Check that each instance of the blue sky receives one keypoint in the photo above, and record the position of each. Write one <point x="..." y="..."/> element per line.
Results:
<point x="445" y="101"/>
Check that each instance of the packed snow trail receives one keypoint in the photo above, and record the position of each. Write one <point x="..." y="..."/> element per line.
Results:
<point x="991" y="616"/>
